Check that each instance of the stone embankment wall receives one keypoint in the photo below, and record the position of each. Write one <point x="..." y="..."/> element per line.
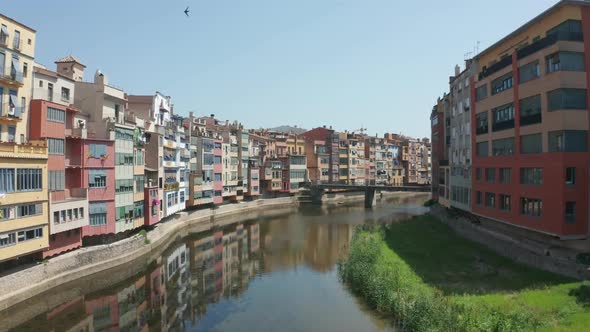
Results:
<point x="24" y="284"/>
<point x="525" y="251"/>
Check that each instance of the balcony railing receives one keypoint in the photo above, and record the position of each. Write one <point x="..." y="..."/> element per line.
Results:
<point x="495" y="67"/>
<point x="530" y="119"/>
<point x="548" y="41"/>
<point x="503" y="125"/>
<point x="35" y="147"/>
<point x="11" y="111"/>
<point x="11" y="75"/>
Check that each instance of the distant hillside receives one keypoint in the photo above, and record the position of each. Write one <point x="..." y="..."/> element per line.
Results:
<point x="288" y="129"/>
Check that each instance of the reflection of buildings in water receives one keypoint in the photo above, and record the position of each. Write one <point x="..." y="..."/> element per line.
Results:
<point x="178" y="289"/>
<point x="173" y="291"/>
<point x="292" y="242"/>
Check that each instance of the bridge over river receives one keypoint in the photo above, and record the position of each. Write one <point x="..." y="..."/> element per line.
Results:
<point x="319" y="189"/>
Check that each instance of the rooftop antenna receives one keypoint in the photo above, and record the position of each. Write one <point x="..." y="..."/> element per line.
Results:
<point x="467" y="55"/>
<point x="476" y="49"/>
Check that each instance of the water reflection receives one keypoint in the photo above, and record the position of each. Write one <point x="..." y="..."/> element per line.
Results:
<point x="203" y="281"/>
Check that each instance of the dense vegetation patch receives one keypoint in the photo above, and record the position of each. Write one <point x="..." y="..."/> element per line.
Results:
<point x="429" y="279"/>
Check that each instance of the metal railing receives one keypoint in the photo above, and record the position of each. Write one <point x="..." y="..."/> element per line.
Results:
<point x="9" y="73"/>
<point x="11" y="112"/>
<point x="503" y="125"/>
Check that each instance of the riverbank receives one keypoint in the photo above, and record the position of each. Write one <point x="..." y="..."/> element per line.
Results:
<point x="22" y="285"/>
<point x="427" y="277"/>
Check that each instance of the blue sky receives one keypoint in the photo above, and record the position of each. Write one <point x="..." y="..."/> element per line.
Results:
<point x="379" y="64"/>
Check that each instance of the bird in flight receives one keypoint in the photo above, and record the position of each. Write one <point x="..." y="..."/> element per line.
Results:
<point x="186" y="11"/>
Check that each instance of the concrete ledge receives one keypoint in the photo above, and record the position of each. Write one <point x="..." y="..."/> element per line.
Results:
<point x="527" y="252"/>
<point x="22" y="285"/>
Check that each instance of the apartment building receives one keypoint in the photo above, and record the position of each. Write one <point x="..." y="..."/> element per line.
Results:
<point x="529" y="103"/>
<point x="62" y="127"/>
<point x="332" y="144"/>
<point x="23" y="194"/>
<point x="460" y="144"/>
<point x="155" y="112"/>
<point x="106" y="106"/>
<point x="318" y="160"/>
<point x="441" y="118"/>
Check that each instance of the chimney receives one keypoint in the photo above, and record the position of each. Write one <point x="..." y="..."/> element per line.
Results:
<point x="457" y="70"/>
<point x="212" y="116"/>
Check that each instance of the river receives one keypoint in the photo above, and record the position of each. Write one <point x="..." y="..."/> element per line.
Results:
<point x="274" y="274"/>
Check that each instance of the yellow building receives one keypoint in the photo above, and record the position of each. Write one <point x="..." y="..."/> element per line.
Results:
<point x="23" y="164"/>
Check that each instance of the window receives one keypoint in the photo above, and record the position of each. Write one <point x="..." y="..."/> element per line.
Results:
<point x="217" y="177"/>
<point x="122" y="133"/>
<point x="568" y="30"/>
<point x="57" y="180"/>
<point x="124" y="186"/>
<point x="97" y="213"/>
<point x="531" y="144"/>
<point x="490" y="200"/>
<point x="482" y="149"/>
<point x="65" y="94"/>
<point x="7" y="213"/>
<point x="530" y="110"/>
<point x="182" y="197"/>
<point x="56" y="115"/>
<point x="139" y="157"/>
<point x="6" y="180"/>
<point x="478" y="173"/>
<point x="7" y="239"/>
<point x="531" y="207"/>
<point x="478" y="197"/>
<point x="504" y="202"/>
<point x="561" y="99"/>
<point x="97" y="178"/>
<point x="568" y="141"/>
<point x="503" y="147"/>
<point x="25" y="69"/>
<point x="505" y="175"/>
<point x="124" y="159"/>
<point x="481" y="123"/>
<point x="139" y="183"/>
<point x="11" y="133"/>
<point x="502" y="83"/>
<point x="16" y="41"/>
<point x="55" y="146"/>
<point x="30" y="234"/>
<point x="570" y="212"/>
<point x="531" y="175"/>
<point x="97" y="150"/>
<point x="570" y="176"/>
<point x="529" y="72"/>
<point x="29" y="179"/>
<point x="503" y="117"/>
<point x="491" y="175"/>
<point x="3" y="34"/>
<point x="566" y="61"/>
<point x="138" y="210"/>
<point x="481" y="92"/>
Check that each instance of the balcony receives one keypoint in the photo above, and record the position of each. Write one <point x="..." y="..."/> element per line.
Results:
<point x="33" y="150"/>
<point x="548" y="41"/>
<point x="171" y="186"/>
<point x="170" y="144"/>
<point x="10" y="113"/>
<point x="71" y="207"/>
<point x="11" y="77"/>
<point x="77" y="133"/>
<point x="530" y="119"/>
<point x="509" y="124"/>
<point x="503" y="63"/>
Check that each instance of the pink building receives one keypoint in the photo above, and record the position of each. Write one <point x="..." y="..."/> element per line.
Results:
<point x="151" y="205"/>
<point x="98" y="175"/>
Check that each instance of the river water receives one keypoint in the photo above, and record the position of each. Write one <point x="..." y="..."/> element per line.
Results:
<point x="269" y="274"/>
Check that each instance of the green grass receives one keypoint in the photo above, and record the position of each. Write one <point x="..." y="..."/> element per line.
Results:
<point x="422" y="273"/>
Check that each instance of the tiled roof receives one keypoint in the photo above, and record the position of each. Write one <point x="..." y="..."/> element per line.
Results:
<point x="69" y="58"/>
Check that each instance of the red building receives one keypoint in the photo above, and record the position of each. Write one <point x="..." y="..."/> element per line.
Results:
<point x="56" y="121"/>
<point x="530" y="124"/>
